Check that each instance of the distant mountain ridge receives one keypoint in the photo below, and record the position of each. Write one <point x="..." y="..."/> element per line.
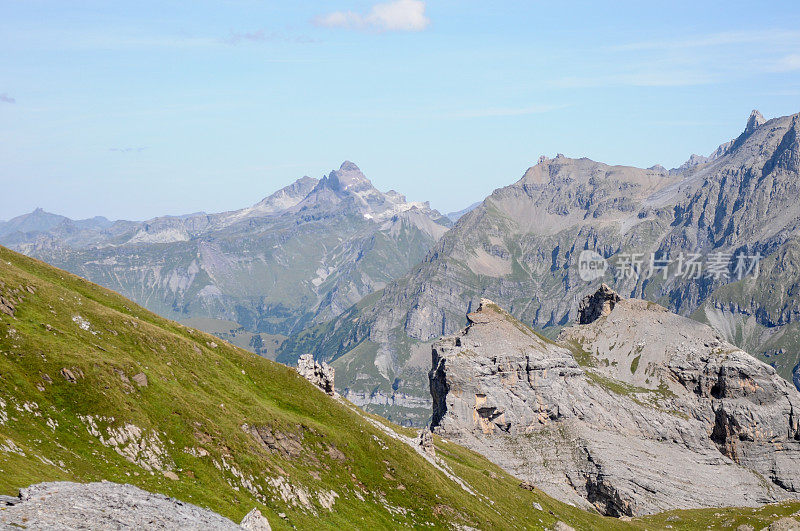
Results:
<point x="41" y="221"/>
<point x="455" y="216"/>
<point x="304" y="253"/>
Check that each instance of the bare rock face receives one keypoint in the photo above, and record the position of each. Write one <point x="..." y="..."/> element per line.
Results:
<point x="659" y="414"/>
<point x="598" y="304"/>
<point x="743" y="197"/>
<point x="755" y="121"/>
<point x="103" y="505"/>
<point x="140" y="379"/>
<point x="320" y="374"/>
<point x="255" y="521"/>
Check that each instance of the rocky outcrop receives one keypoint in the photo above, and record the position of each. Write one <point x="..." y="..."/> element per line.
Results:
<point x="104" y="505"/>
<point x="594" y="306"/>
<point x="425" y="442"/>
<point x="755" y="121"/>
<point x="659" y="414"/>
<point x="255" y="521"/>
<point x="7" y="306"/>
<point x="320" y="374"/>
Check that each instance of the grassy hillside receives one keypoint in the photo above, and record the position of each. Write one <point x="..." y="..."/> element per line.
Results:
<point x="94" y="387"/>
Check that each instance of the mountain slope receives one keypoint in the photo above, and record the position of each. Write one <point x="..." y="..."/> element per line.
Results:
<point x="94" y="387"/>
<point x="521" y="247"/>
<point x="302" y="255"/>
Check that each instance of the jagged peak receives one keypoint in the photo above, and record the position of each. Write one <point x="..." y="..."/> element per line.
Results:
<point x="347" y="178"/>
<point x="349" y="166"/>
<point x="755" y="121"/>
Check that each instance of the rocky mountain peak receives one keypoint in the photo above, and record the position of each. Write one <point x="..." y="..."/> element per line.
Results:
<point x="349" y="166"/>
<point x="348" y="178"/>
<point x="597" y="305"/>
<point x="755" y="121"/>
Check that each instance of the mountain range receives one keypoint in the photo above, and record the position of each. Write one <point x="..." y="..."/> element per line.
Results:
<point x="300" y="256"/>
<point x="522" y="245"/>
<point x="366" y="280"/>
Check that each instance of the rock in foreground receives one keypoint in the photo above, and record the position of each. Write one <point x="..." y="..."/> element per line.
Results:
<point x="659" y="414"/>
<point x="104" y="505"/>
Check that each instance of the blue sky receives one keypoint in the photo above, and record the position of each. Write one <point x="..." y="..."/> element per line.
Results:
<point x="136" y="109"/>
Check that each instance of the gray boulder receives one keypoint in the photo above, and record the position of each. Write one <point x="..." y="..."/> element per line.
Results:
<point x="104" y="505"/>
<point x="255" y="521"/>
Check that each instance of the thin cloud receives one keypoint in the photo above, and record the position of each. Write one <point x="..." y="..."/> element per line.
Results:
<point x="397" y="15"/>
<point x="492" y="112"/>
<point x="784" y="93"/>
<point x="686" y="78"/>
<point x="713" y="40"/>
<point x="788" y="63"/>
<point x="5" y="98"/>
<point x="262" y="35"/>
<point x="127" y="149"/>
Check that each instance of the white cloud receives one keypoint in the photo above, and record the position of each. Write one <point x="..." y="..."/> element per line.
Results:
<point x="397" y="15"/>
<point x="5" y="98"/>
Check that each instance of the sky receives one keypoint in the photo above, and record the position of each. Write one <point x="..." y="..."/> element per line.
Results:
<point x="137" y="109"/>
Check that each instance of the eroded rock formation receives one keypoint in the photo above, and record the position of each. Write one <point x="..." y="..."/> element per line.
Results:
<point x="638" y="412"/>
<point x="598" y="304"/>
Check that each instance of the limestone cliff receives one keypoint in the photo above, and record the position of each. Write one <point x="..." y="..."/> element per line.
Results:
<point x="638" y="412"/>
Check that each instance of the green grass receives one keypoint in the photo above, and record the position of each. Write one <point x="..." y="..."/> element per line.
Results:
<point x="635" y="364"/>
<point x="581" y="355"/>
